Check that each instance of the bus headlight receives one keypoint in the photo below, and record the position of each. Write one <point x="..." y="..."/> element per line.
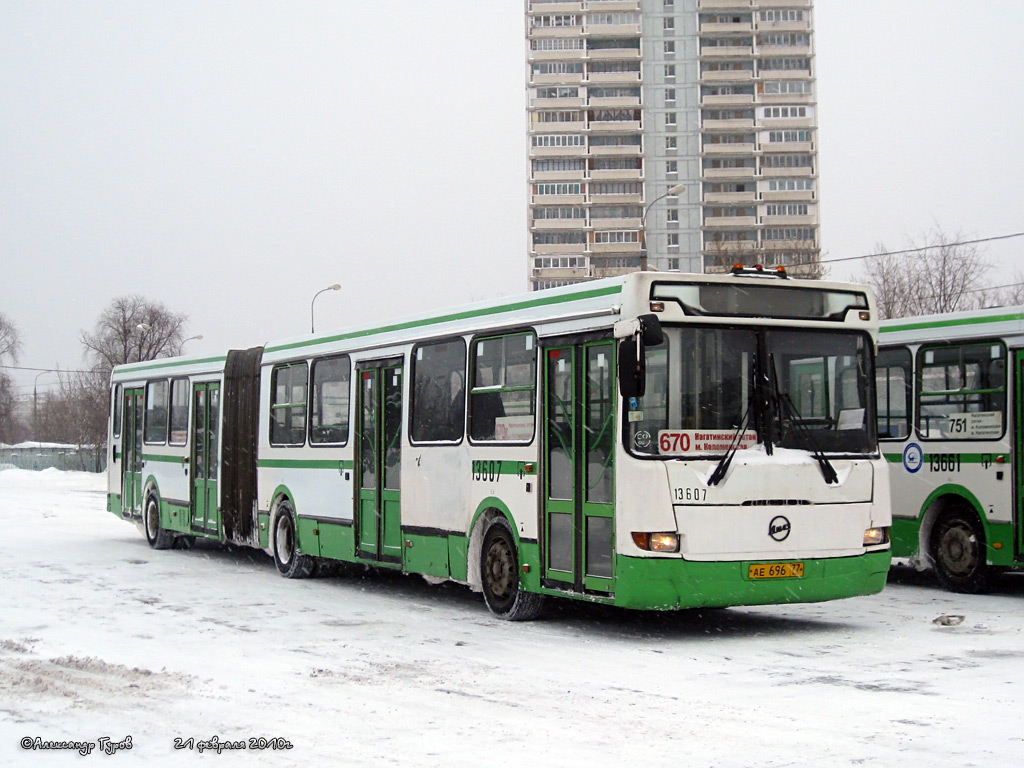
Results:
<point x="875" y="536"/>
<point x="656" y="542"/>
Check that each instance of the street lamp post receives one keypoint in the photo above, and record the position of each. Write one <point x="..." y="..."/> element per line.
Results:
<point x="312" y="322"/>
<point x="643" y="223"/>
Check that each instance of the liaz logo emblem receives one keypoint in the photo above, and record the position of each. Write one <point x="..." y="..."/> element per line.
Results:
<point x="779" y="528"/>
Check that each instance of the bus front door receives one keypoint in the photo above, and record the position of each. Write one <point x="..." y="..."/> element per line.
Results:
<point x="379" y="433"/>
<point x="205" y="444"/>
<point x="131" y="454"/>
<point x="578" y="467"/>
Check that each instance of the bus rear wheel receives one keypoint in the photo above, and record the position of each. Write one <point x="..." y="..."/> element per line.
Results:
<point x="290" y="562"/>
<point x="958" y="553"/>
<point x="499" y="576"/>
<point x="156" y="536"/>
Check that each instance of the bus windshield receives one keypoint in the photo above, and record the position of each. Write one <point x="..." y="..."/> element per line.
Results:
<point x="801" y="389"/>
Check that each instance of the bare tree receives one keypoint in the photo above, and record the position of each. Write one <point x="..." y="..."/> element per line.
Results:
<point x="935" y="273"/>
<point x="10" y="346"/>
<point x="132" y="329"/>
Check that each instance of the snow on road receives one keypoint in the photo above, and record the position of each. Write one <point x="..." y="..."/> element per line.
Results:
<point x="101" y="636"/>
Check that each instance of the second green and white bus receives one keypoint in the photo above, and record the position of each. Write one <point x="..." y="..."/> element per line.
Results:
<point x="655" y="441"/>
<point x="950" y="423"/>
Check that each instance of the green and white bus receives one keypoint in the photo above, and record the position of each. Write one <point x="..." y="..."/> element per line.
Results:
<point x="950" y="422"/>
<point x="654" y="441"/>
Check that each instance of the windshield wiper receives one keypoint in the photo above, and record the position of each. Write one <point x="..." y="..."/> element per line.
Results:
<point x="787" y="408"/>
<point x="726" y="460"/>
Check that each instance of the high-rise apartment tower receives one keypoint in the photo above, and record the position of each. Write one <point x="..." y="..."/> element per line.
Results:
<point x="669" y="134"/>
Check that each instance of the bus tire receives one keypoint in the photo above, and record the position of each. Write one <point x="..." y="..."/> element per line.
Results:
<point x="499" y="576"/>
<point x="290" y="562"/>
<point x="156" y="536"/>
<point x="958" y="553"/>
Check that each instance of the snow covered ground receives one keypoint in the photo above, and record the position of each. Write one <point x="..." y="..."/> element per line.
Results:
<point x="101" y="636"/>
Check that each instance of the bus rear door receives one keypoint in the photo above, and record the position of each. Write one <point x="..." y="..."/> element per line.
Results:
<point x="379" y="451"/>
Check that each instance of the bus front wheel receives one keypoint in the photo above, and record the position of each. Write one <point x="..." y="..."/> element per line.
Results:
<point x="290" y="562"/>
<point x="499" y="575"/>
<point x="958" y="553"/>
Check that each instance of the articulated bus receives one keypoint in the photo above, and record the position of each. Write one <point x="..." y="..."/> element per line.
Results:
<point x="950" y="422"/>
<point x="654" y="441"/>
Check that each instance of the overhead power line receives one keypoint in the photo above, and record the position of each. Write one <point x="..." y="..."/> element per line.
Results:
<point x="923" y="248"/>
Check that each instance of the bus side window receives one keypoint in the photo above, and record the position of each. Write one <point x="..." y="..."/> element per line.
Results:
<point x="117" y="410"/>
<point x="438" y="412"/>
<point x="503" y="394"/>
<point x="288" y="404"/>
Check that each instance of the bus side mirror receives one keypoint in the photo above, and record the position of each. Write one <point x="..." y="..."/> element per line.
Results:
<point x="632" y="368"/>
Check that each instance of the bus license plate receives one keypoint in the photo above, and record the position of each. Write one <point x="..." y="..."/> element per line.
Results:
<point x="775" y="571"/>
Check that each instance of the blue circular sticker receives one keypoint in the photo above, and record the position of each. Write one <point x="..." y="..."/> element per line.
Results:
<point x="913" y="458"/>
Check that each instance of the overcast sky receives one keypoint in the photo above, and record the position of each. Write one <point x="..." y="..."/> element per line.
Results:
<point x="232" y="158"/>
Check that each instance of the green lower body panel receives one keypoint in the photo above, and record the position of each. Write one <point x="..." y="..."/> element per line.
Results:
<point x="174" y="517"/>
<point x="904" y="534"/>
<point x="114" y="503"/>
<point x="425" y="554"/>
<point x="337" y="541"/>
<point x="666" y="584"/>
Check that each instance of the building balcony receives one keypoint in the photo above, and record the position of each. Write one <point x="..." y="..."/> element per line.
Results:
<point x="545" y="225"/>
<point x="561" y="7"/>
<point x="727" y="75"/>
<point x="578" y="53"/>
<point x="732" y="5"/>
<point x="616" y="199"/>
<point x="632" y="102"/>
<point x="612" y="78"/>
<point x="561" y="272"/>
<point x="557" y="199"/>
<point x="629" y="248"/>
<point x="798" y="196"/>
<point x="558" y="151"/>
<point x="727" y="149"/>
<point x="622" y="54"/>
<point x="577" y="127"/>
<point x="772" y="99"/>
<point x="536" y="32"/>
<point x="738" y="28"/>
<point x="784" y="74"/>
<point x="614" y="5"/>
<point x="775" y="51"/>
<point x="727" y="125"/>
<point x="783" y="4"/>
<point x="633" y="174"/>
<point x="779" y="123"/>
<point x="579" y="175"/>
<point x="783" y="26"/>
<point x="726" y="51"/>
<point x="802" y="147"/>
<point x="787" y="173"/>
<point x="729" y="222"/>
<point x="575" y="103"/>
<point x="729" y="197"/>
<point x="789" y="221"/>
<point x="574" y="248"/>
<point x="565" y="78"/>
<point x="736" y="98"/>
<point x="615" y="126"/>
<point x="615" y="223"/>
<point x="711" y="174"/>
<point x="612" y="30"/>
<point x="630" y="150"/>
